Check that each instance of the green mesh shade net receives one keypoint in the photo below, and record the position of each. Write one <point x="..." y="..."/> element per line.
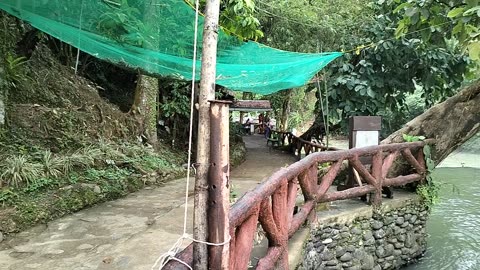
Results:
<point x="157" y="36"/>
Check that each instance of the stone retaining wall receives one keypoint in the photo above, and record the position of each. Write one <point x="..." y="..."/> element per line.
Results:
<point x="385" y="239"/>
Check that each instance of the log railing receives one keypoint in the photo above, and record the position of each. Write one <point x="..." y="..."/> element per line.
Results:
<point x="272" y="203"/>
<point x="297" y="144"/>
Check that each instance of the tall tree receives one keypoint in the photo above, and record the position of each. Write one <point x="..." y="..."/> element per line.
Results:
<point x="144" y="105"/>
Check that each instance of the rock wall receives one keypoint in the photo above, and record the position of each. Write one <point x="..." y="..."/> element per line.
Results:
<point x="387" y="239"/>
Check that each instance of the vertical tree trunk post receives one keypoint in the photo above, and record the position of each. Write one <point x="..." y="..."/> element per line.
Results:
<point x="148" y="107"/>
<point x="241" y="118"/>
<point x="207" y="92"/>
<point x="285" y="110"/>
<point x="219" y="186"/>
<point x="3" y="95"/>
<point x="2" y="107"/>
<point x="377" y="163"/>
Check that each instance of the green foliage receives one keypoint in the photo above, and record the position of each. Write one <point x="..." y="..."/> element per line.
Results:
<point x="108" y="174"/>
<point x="92" y="162"/>
<point x="7" y="195"/>
<point x="429" y="193"/>
<point x="381" y="78"/>
<point x="393" y="120"/>
<point x="296" y="105"/>
<point x="233" y="194"/>
<point x="43" y="187"/>
<point x="459" y="19"/>
<point x="378" y="72"/>
<point x="123" y="25"/>
<point x="411" y="138"/>
<point x="237" y="146"/>
<point x="177" y="101"/>
<point x="14" y="72"/>
<point x="237" y="17"/>
<point x="52" y="167"/>
<point x="429" y="190"/>
<point x="236" y="132"/>
<point x="40" y="184"/>
<point x="81" y="158"/>
<point x="441" y="22"/>
<point x="312" y="26"/>
<point x="18" y="171"/>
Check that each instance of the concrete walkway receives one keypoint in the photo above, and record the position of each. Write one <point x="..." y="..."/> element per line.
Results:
<point x="128" y="233"/>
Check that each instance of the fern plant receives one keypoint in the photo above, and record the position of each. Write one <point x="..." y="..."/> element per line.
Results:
<point x="13" y="69"/>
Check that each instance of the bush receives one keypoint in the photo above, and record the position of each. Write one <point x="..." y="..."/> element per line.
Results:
<point x="17" y="171"/>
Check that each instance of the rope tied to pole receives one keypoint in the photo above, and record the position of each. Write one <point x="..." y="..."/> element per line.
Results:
<point x="163" y="259"/>
<point x="177" y="247"/>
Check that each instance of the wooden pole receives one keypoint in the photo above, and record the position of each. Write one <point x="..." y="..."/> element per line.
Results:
<point x="207" y="92"/>
<point x="219" y="186"/>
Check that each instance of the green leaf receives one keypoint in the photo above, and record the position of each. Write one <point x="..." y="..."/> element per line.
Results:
<point x="474" y="51"/>
<point x="471" y="11"/>
<point x="430" y="165"/>
<point x="411" y="11"/>
<point x="455" y="12"/>
<point x="401" y="29"/>
<point x="402" y="6"/>
<point x="370" y="92"/>
<point x="458" y="28"/>
<point x="427" y="151"/>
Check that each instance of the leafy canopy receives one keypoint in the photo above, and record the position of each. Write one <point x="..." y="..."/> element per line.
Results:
<point x="459" y="19"/>
<point x="237" y="18"/>
<point x="380" y="69"/>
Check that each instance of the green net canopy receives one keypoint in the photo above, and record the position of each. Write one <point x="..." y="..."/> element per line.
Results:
<point x="157" y="36"/>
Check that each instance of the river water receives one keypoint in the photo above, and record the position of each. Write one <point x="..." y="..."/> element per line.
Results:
<point x="454" y="224"/>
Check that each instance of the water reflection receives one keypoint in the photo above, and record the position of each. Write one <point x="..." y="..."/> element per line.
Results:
<point x="454" y="224"/>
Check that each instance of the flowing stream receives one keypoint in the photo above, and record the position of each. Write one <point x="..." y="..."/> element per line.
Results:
<point x="454" y="224"/>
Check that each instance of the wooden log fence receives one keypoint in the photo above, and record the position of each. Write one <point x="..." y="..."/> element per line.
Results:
<point x="272" y="203"/>
<point x="299" y="145"/>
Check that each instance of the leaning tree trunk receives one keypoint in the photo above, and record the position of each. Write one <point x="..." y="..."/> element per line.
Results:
<point x="450" y="123"/>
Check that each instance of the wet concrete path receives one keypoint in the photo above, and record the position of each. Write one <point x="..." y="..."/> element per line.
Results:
<point x="129" y="233"/>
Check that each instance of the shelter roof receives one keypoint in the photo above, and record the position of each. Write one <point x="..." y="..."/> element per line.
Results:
<point x="251" y="106"/>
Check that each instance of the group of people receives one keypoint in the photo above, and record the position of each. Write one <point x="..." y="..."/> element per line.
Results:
<point x="265" y="124"/>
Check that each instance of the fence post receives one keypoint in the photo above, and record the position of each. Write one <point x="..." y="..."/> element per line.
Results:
<point x="377" y="162"/>
<point x="219" y="185"/>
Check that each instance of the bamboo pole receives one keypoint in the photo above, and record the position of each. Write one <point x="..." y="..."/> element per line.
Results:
<point x="207" y="92"/>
